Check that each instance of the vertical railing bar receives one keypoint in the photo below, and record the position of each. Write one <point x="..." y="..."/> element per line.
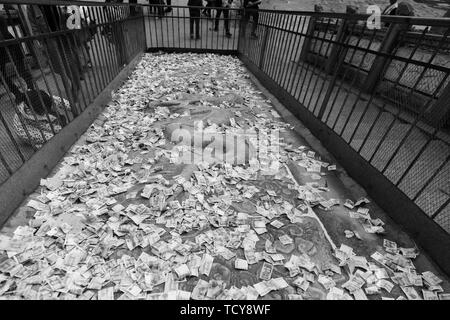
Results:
<point x="315" y="70"/>
<point x="113" y="46"/>
<point x="168" y="33"/>
<point x="286" y="48"/>
<point x="237" y="29"/>
<point x="273" y="44"/>
<point x="96" y="77"/>
<point x="270" y="44"/>
<point x="156" y="26"/>
<point x="106" y="45"/>
<point x="278" y="35"/>
<point x="253" y="50"/>
<point x="96" y="56"/>
<point x="162" y="29"/>
<point x="46" y="43"/>
<point x="312" y="66"/>
<point x="207" y="32"/>
<point x="225" y="20"/>
<point x="290" y="81"/>
<point x="80" y="44"/>
<point x="101" y="45"/>
<point x="340" y="62"/>
<point x="342" y="81"/>
<point x="218" y="31"/>
<point x="305" y="65"/>
<point x="173" y="28"/>
<point x="359" y="69"/>
<point x="72" y="75"/>
<point x="261" y="47"/>
<point x="81" y="70"/>
<point x="288" y="52"/>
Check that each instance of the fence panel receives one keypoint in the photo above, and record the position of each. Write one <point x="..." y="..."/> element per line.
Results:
<point x="187" y="29"/>
<point x="384" y="93"/>
<point x="55" y="59"/>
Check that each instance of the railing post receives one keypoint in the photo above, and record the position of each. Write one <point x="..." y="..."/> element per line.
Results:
<point x="381" y="61"/>
<point x="337" y="49"/>
<point x="387" y="47"/>
<point x="263" y="47"/>
<point x="306" y="48"/>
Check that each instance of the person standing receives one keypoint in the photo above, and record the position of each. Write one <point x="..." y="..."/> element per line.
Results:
<point x="194" y="17"/>
<point x="223" y="6"/>
<point x="251" y="9"/>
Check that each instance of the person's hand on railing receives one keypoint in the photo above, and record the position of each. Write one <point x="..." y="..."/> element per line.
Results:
<point x="254" y="3"/>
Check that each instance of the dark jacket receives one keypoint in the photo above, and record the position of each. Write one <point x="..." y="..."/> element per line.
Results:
<point x="195" y="3"/>
<point x="246" y="5"/>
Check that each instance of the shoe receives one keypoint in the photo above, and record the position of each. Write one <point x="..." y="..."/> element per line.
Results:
<point x="192" y="36"/>
<point x="228" y="35"/>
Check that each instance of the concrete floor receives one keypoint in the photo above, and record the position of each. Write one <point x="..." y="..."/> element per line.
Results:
<point x="315" y="235"/>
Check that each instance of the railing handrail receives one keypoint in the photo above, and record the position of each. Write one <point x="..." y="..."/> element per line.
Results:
<point x="431" y="21"/>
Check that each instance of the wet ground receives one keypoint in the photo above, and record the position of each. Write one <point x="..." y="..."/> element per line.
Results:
<point x="123" y="218"/>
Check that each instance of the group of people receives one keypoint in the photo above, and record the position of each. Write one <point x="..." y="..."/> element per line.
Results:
<point x="222" y="9"/>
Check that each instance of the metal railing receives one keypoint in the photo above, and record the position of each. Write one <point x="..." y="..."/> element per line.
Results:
<point x="50" y="72"/>
<point x="339" y="72"/>
<point x="378" y="98"/>
<point x="217" y="32"/>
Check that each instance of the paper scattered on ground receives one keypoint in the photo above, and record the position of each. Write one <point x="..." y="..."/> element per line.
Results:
<point x="124" y="219"/>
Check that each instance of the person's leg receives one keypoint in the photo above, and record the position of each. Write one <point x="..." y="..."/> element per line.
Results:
<point x="160" y="8"/>
<point x="255" y="22"/>
<point x="197" y="24"/>
<point x="226" y="14"/>
<point x="169" y="3"/>
<point x="191" y="22"/>
<point x="219" y="13"/>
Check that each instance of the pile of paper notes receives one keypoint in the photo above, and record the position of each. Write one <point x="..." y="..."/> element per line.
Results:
<point x="123" y="219"/>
